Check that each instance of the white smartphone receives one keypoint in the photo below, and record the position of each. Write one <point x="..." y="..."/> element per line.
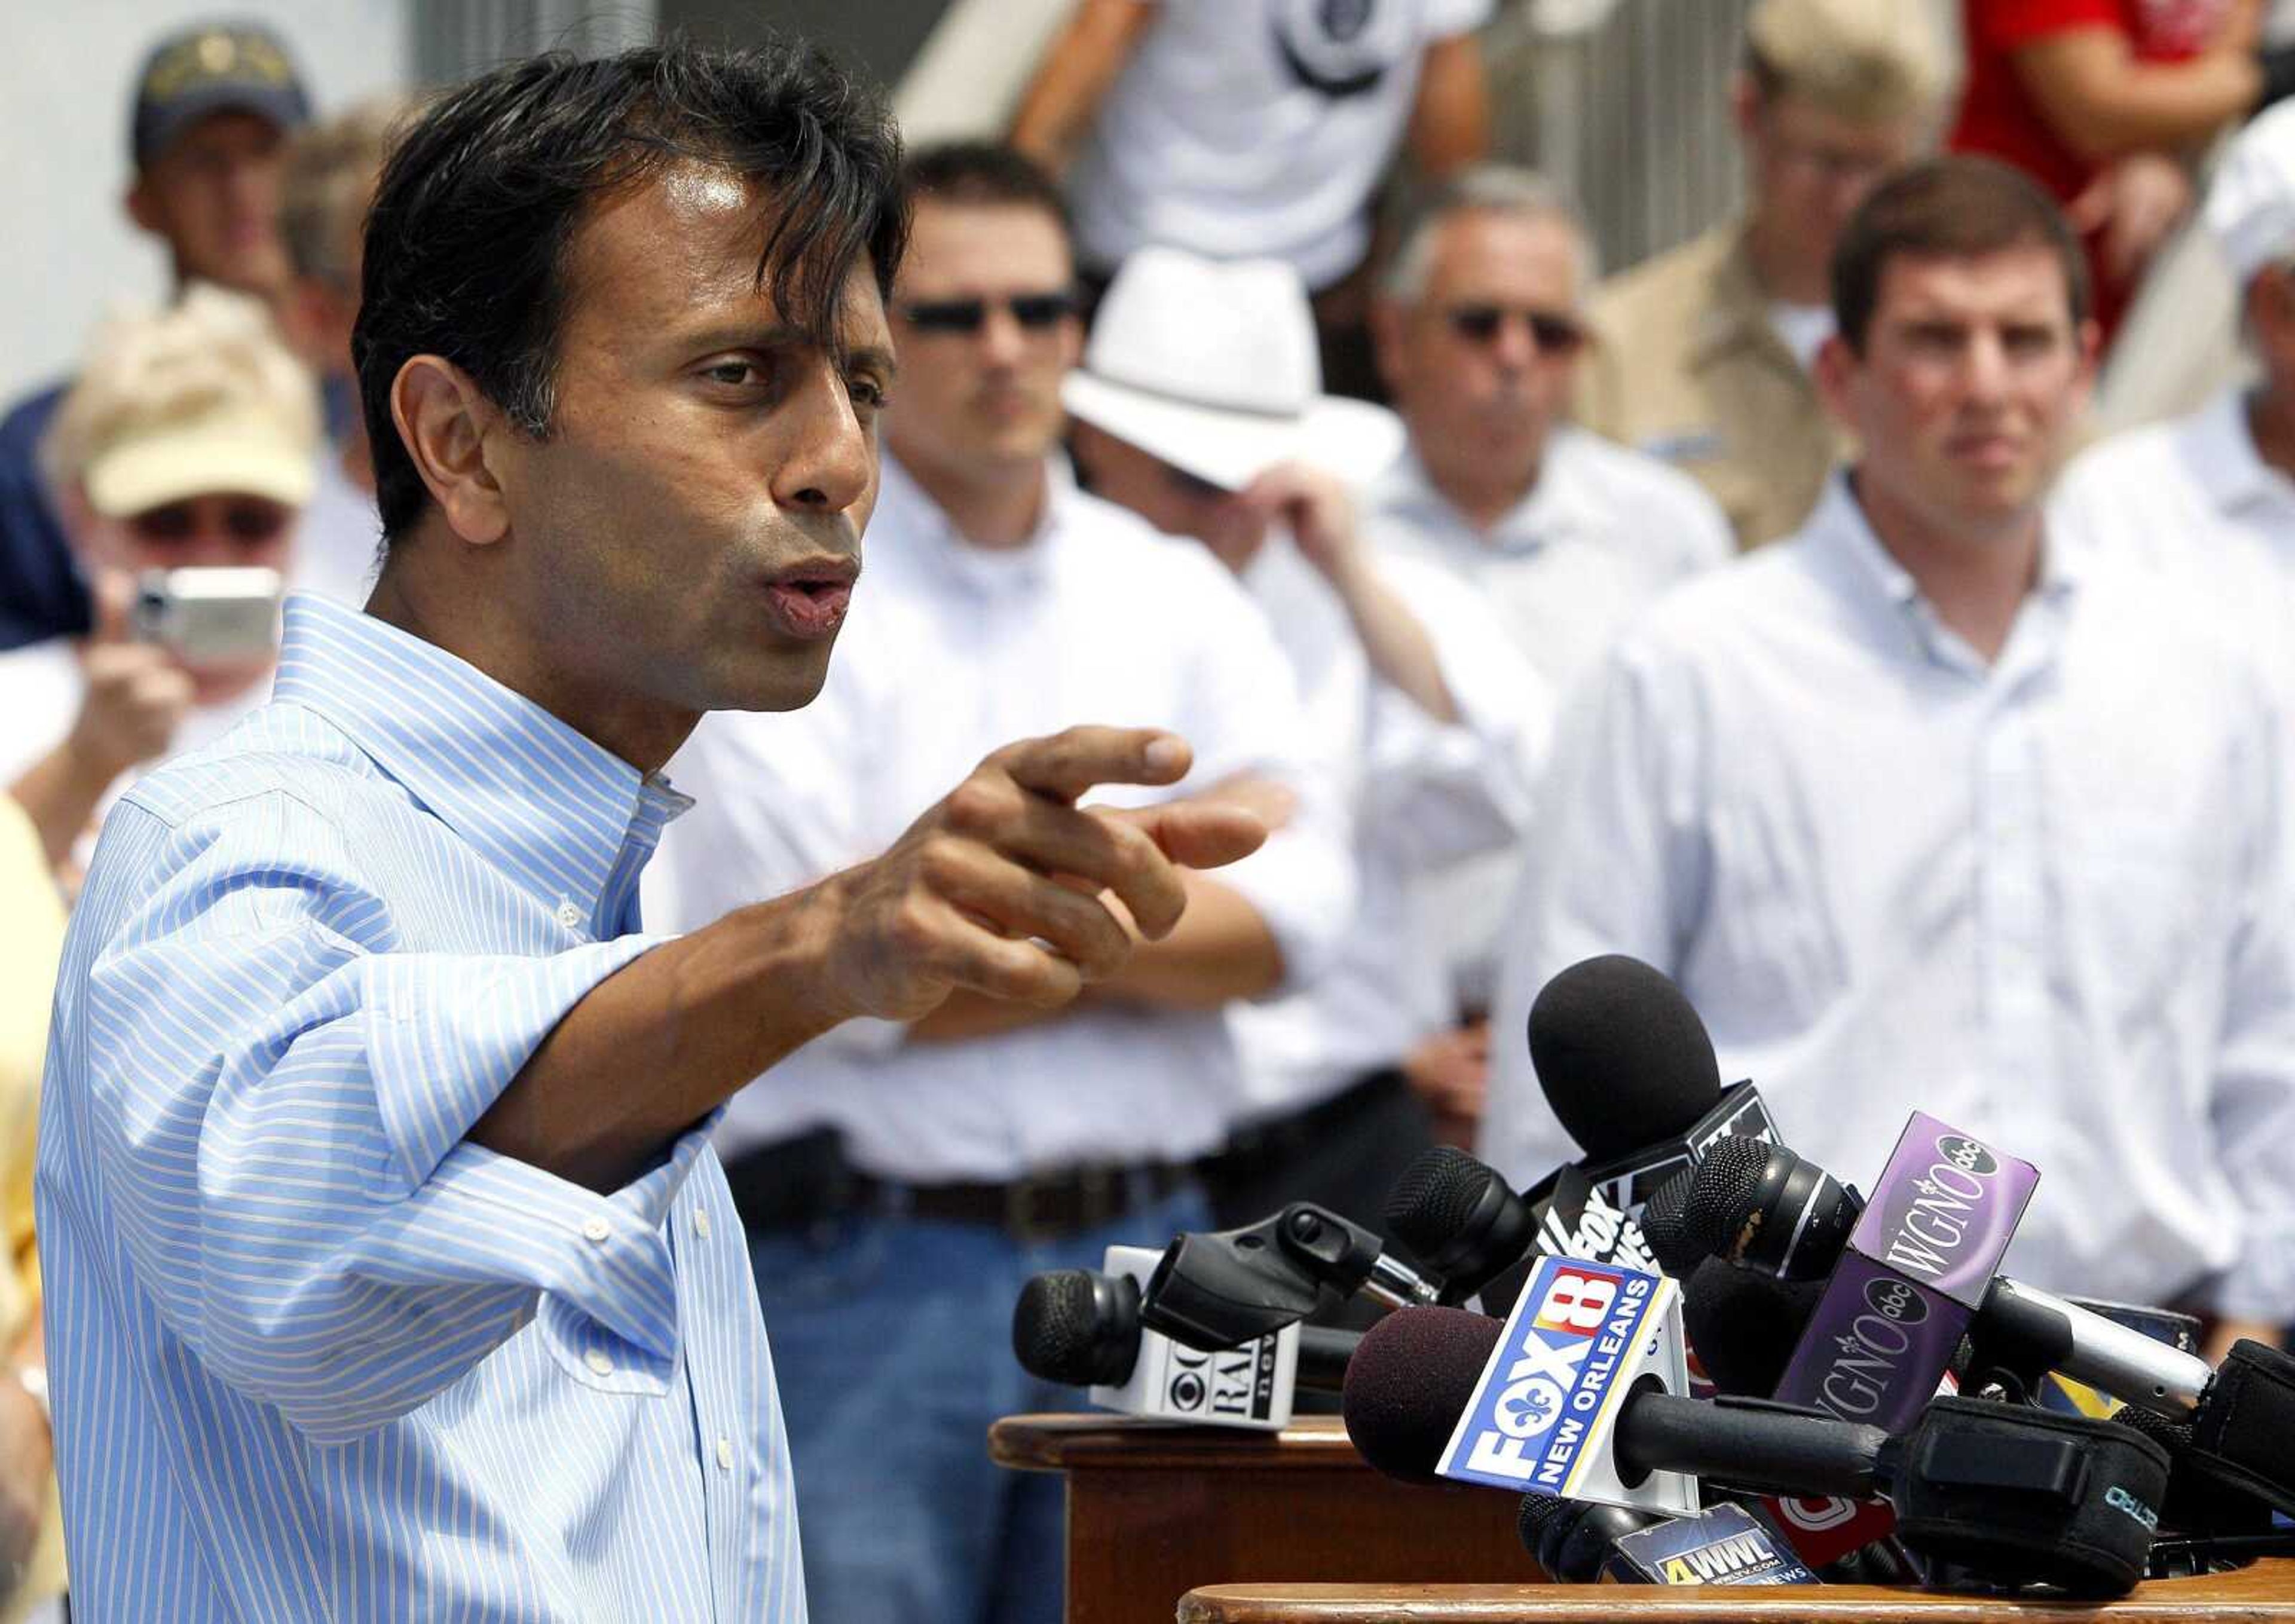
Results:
<point x="210" y="614"/>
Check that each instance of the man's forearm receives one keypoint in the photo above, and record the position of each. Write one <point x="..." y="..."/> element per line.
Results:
<point x="1074" y="76"/>
<point x="60" y="793"/>
<point x="1221" y="949"/>
<point x="1450" y="119"/>
<point x="658" y="1045"/>
<point x="1397" y="644"/>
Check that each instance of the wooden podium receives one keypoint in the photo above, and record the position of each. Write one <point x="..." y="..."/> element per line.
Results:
<point x="2264" y="1594"/>
<point x="1217" y="1526"/>
<point x="1155" y="1509"/>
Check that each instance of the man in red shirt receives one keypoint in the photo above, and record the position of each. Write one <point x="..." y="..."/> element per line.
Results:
<point x="2099" y="101"/>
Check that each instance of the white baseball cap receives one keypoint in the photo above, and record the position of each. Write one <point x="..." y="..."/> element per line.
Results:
<point x="2251" y="204"/>
<point x="1212" y="367"/>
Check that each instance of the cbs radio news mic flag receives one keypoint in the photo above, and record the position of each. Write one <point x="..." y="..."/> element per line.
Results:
<point x="1578" y="1338"/>
<point x="1249" y="1386"/>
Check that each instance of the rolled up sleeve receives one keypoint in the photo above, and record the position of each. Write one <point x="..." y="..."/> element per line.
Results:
<point x="276" y="1110"/>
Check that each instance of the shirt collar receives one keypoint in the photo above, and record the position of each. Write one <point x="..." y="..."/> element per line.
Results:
<point x="564" y="817"/>
<point x="2220" y="446"/>
<point x="911" y="526"/>
<point x="1839" y="530"/>
<point x="1737" y="313"/>
<point x="1555" y="505"/>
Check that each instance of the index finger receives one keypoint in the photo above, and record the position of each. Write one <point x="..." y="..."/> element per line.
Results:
<point x="1067" y="763"/>
<point x="112" y="595"/>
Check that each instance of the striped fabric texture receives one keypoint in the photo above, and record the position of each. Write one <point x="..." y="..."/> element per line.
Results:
<point x="315" y="1356"/>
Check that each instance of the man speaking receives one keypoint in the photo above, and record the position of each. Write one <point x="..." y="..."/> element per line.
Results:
<point x="390" y="1274"/>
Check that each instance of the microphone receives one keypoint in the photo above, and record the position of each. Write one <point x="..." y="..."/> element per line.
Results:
<point x="1217" y="1290"/>
<point x="1417" y="1371"/>
<point x="2010" y="1495"/>
<point x="1629" y="1070"/>
<point x="1764" y="1207"/>
<point x="1743" y="1324"/>
<point x="1579" y="1541"/>
<point x="1081" y="1328"/>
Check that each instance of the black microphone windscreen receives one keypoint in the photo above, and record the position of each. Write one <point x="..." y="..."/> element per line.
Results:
<point x="1432" y="1203"/>
<point x="1062" y="1331"/>
<point x="1716" y="1196"/>
<point x="1622" y="1058"/>
<point x="1744" y="1324"/>
<point x="1408" y="1383"/>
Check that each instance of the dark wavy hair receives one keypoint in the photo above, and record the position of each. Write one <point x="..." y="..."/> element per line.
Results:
<point x="467" y="241"/>
<point x="1956" y="207"/>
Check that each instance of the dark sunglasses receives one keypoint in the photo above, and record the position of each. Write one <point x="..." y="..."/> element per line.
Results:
<point x="1034" y="311"/>
<point x="1553" y="334"/>
<point x="245" y="519"/>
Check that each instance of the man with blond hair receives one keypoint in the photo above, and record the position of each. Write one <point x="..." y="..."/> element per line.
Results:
<point x="1702" y="355"/>
<point x="187" y="444"/>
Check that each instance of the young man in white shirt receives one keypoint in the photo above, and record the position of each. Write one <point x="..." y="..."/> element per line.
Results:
<point x="901" y="1182"/>
<point x="1256" y="129"/>
<point x="2209" y="501"/>
<point x="1197" y="407"/>
<point x="188" y="440"/>
<point x="1481" y="331"/>
<point x="1929" y="807"/>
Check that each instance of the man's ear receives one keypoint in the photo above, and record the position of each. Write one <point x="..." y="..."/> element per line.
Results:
<point x="1835" y="368"/>
<point x="1386" y="319"/>
<point x="142" y="208"/>
<point x="445" y="420"/>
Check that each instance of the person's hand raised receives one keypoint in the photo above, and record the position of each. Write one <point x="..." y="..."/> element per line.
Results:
<point x="136" y="694"/>
<point x="996" y="889"/>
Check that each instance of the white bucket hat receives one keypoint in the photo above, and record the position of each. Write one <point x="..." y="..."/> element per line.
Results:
<point x="1211" y="366"/>
<point x="2251" y="207"/>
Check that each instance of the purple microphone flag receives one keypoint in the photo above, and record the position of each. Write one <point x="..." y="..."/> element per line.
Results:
<point x="1918" y="1266"/>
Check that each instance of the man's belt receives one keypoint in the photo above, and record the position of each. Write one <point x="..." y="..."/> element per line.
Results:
<point x="801" y="1181"/>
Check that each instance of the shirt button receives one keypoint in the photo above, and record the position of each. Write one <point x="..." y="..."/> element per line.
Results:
<point x="701" y="1223"/>
<point x="569" y="915"/>
<point x="599" y="1365"/>
<point x="597" y="1229"/>
<point x="725" y="1453"/>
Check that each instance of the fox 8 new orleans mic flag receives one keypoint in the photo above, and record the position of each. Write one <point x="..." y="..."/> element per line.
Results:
<point x="1581" y="1336"/>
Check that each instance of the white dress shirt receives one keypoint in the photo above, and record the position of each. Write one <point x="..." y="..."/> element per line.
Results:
<point x="950" y="652"/>
<point x="1426" y="794"/>
<point x="2046" y="900"/>
<point x="2192" y="500"/>
<point x="1604" y="532"/>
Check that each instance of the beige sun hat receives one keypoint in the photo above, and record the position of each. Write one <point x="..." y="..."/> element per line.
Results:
<point x="201" y="399"/>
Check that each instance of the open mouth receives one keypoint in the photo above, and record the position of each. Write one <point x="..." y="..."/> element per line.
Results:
<point x="810" y="602"/>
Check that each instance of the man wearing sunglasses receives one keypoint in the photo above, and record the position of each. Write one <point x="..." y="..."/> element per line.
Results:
<point x="1481" y="331"/>
<point x="189" y="441"/>
<point x="1705" y="351"/>
<point x="900" y="1182"/>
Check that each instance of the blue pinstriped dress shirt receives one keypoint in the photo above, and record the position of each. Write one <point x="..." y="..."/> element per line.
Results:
<point x="313" y="1354"/>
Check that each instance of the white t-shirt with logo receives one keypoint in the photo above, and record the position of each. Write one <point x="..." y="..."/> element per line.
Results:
<point x="1243" y="128"/>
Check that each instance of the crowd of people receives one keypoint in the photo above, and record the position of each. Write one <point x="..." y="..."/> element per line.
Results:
<point x="1737" y="610"/>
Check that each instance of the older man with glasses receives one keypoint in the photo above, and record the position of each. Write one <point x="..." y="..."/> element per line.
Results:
<point x="182" y="459"/>
<point x="1481" y="331"/>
